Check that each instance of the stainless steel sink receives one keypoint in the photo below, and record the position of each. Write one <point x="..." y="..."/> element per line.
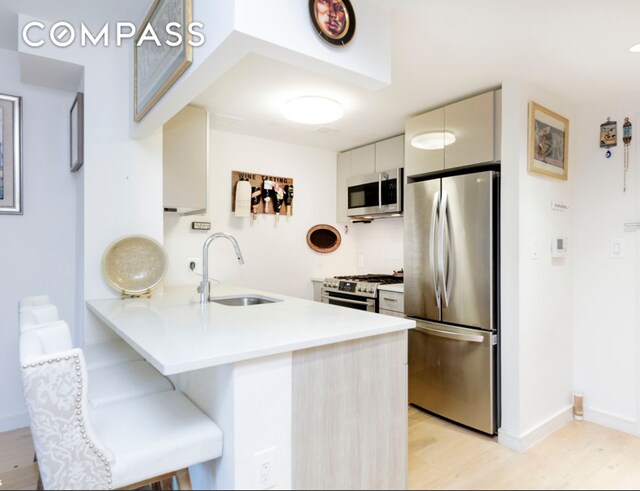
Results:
<point x="244" y="301"/>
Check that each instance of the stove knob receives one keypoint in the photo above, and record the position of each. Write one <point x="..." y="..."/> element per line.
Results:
<point x="372" y="289"/>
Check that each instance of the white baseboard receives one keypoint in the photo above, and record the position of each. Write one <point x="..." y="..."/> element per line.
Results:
<point x="13" y="422"/>
<point x="603" y="418"/>
<point x="521" y="443"/>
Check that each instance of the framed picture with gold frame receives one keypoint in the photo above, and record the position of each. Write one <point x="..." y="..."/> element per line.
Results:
<point x="157" y="68"/>
<point x="333" y="20"/>
<point x="548" y="142"/>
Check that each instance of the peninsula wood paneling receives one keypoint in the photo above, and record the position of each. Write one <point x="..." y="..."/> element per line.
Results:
<point x="350" y="415"/>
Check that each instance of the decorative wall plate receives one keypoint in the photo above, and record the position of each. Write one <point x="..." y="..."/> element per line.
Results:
<point x="134" y="265"/>
<point x="323" y="238"/>
<point x="333" y="20"/>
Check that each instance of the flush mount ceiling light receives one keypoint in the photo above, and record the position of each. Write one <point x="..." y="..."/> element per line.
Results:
<point x="433" y="140"/>
<point x="635" y="48"/>
<point x="312" y="110"/>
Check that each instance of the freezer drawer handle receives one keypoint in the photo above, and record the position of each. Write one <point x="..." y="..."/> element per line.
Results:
<point x="452" y="335"/>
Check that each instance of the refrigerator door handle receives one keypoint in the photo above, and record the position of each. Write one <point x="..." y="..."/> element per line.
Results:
<point x="445" y="281"/>
<point x="432" y="247"/>
<point x="471" y="338"/>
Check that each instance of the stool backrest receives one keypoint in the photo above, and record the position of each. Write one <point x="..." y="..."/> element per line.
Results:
<point x="34" y="301"/>
<point x="70" y="456"/>
<point x="45" y="339"/>
<point x="31" y="317"/>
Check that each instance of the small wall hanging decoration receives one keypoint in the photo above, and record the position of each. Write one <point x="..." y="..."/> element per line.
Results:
<point x="10" y="155"/>
<point x="626" y="139"/>
<point x="548" y="142"/>
<point x="323" y="238"/>
<point x="76" y="129"/>
<point x="608" y="135"/>
<point x="333" y="20"/>
<point x="268" y="193"/>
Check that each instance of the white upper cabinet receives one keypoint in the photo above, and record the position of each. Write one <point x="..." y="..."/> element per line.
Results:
<point x="342" y="175"/>
<point x="185" y="154"/>
<point x="418" y="160"/>
<point x="474" y="122"/>
<point x="390" y="154"/>
<point x="363" y="160"/>
<point x="471" y="122"/>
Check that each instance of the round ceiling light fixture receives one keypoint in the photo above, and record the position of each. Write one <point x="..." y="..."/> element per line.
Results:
<point x="433" y="140"/>
<point x="312" y="110"/>
<point x="635" y="48"/>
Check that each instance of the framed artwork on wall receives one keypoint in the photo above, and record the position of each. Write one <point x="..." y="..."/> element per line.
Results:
<point x="10" y="155"/>
<point x="548" y="142"/>
<point x="76" y="131"/>
<point x="333" y="20"/>
<point x="156" y="68"/>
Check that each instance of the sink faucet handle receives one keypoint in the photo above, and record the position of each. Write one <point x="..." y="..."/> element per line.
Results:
<point x="200" y="286"/>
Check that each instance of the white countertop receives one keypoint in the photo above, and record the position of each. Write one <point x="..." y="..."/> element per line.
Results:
<point x="176" y="334"/>
<point x="398" y="288"/>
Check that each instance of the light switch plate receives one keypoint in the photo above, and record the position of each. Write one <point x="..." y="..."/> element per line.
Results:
<point x="617" y="248"/>
<point x="535" y="249"/>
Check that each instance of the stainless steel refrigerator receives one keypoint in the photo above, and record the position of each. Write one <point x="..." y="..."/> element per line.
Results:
<point x="452" y="291"/>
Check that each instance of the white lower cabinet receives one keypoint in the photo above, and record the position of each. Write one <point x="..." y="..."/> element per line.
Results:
<point x="391" y="303"/>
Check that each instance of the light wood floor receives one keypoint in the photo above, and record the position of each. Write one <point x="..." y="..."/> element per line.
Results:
<point x="445" y="456"/>
<point x="579" y="455"/>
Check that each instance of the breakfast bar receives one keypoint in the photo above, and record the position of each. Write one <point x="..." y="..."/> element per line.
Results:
<point x="308" y="395"/>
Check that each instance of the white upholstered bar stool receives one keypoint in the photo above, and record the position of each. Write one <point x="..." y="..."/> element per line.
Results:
<point x="36" y="310"/>
<point x="112" y="383"/>
<point x="126" y="444"/>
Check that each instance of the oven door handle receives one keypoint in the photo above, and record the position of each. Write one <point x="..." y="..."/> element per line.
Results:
<point x="346" y="300"/>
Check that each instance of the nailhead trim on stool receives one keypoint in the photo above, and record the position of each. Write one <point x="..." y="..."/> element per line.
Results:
<point x="79" y="409"/>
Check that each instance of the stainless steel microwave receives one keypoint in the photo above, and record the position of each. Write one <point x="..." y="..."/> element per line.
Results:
<point x="374" y="195"/>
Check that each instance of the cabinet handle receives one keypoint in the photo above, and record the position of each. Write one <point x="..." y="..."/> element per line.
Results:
<point x="390" y="299"/>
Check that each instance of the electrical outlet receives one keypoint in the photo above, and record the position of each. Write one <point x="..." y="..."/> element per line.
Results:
<point x="265" y="465"/>
<point x="196" y="262"/>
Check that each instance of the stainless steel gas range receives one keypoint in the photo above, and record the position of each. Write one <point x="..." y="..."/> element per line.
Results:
<point x="356" y="292"/>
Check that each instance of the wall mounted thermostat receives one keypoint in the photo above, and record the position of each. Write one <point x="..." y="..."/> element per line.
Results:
<point x="559" y="247"/>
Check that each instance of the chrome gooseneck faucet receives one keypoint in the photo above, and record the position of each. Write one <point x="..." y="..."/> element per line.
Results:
<point x="204" y="286"/>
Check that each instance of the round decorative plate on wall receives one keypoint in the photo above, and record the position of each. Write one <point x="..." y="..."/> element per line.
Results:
<point x="333" y="20"/>
<point x="323" y="238"/>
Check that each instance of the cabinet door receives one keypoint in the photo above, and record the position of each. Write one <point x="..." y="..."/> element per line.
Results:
<point x="185" y="157"/>
<point x="417" y="160"/>
<point x="363" y="160"/>
<point x="471" y="122"/>
<point x="497" y="116"/>
<point x="390" y="154"/>
<point x="343" y="173"/>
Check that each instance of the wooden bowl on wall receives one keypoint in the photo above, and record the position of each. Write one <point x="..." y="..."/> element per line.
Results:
<point x="323" y="238"/>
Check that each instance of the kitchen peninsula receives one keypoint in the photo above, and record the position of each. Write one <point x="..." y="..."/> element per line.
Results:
<point x="317" y="390"/>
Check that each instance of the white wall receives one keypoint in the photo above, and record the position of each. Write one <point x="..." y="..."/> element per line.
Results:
<point x="38" y="247"/>
<point x="277" y="257"/>
<point x="122" y="177"/>
<point x="379" y="246"/>
<point x="605" y="306"/>
<point x="537" y="341"/>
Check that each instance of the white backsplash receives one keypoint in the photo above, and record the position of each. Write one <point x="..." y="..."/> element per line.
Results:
<point x="379" y="246"/>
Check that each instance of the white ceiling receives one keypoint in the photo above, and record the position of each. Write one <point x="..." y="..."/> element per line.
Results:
<point x="442" y="50"/>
